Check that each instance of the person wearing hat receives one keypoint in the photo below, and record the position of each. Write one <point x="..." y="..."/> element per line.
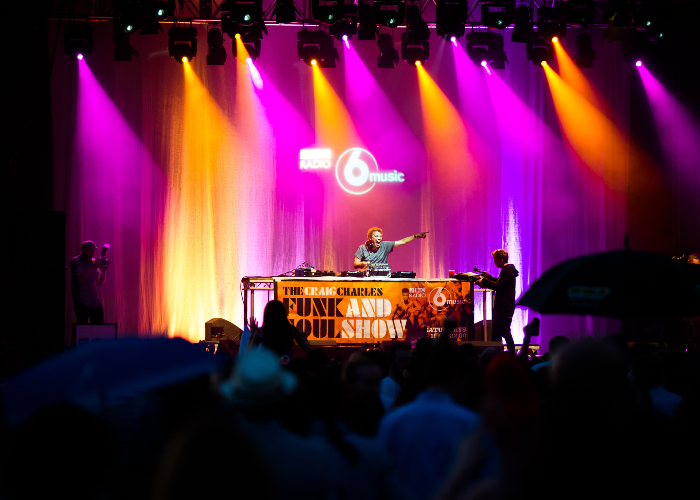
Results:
<point x="258" y="389"/>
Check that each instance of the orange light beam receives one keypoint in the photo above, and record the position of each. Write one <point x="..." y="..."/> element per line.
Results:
<point x="573" y="76"/>
<point x="445" y="132"/>
<point x="190" y="272"/>
<point x="334" y="126"/>
<point x="594" y="138"/>
<point x="448" y="158"/>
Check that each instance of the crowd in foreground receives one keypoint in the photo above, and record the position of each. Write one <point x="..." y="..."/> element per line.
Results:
<point x="589" y="418"/>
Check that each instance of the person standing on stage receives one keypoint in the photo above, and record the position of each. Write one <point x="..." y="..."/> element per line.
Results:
<point x="87" y="274"/>
<point x="504" y="303"/>
<point x="375" y="251"/>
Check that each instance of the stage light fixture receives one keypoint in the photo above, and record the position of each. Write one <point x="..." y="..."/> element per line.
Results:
<point x="414" y="41"/>
<point x="415" y="53"/>
<point x="586" y="54"/>
<point x="252" y="46"/>
<point x="638" y="63"/>
<point x="389" y="13"/>
<point x="160" y="10"/>
<point x="77" y="40"/>
<point x="127" y="17"/>
<point x="388" y="55"/>
<point x="416" y="28"/>
<point x="241" y="12"/>
<point x="637" y="47"/>
<point x="551" y="23"/>
<point x="182" y="42"/>
<point x="538" y="50"/>
<point x="122" y="46"/>
<point x="497" y="15"/>
<point x="216" y="56"/>
<point x="579" y="12"/>
<point x="244" y="20"/>
<point x="242" y="17"/>
<point x="347" y="26"/>
<point x="152" y="14"/>
<point x="327" y="11"/>
<point x="316" y="47"/>
<point x="486" y="47"/>
<point x="450" y="18"/>
<point x="344" y="29"/>
<point x="522" y="25"/>
<point x="286" y="11"/>
<point x="367" y="29"/>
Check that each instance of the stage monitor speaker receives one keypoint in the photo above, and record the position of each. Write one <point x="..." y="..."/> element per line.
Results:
<point x="87" y="334"/>
<point x="219" y="329"/>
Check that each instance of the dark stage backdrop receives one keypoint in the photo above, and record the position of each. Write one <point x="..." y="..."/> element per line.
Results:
<point x="192" y="172"/>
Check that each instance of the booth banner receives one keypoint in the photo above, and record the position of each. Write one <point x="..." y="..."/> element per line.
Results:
<point x="374" y="311"/>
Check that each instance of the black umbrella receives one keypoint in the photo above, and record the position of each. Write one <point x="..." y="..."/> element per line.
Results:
<point x="619" y="284"/>
<point x="94" y="375"/>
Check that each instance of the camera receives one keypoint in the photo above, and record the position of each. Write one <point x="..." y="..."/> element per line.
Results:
<point x="104" y="261"/>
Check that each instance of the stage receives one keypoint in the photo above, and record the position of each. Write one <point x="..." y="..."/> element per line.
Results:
<point x="199" y="175"/>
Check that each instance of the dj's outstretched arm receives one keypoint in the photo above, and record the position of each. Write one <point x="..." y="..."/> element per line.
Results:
<point x="409" y="239"/>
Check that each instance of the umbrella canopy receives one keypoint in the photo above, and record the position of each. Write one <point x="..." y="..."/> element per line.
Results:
<point x="619" y="284"/>
<point x="93" y="375"/>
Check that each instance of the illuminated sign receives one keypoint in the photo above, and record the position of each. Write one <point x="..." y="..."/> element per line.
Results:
<point x="314" y="159"/>
<point x="356" y="170"/>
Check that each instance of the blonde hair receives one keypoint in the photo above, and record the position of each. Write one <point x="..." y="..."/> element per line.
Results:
<point x="501" y="254"/>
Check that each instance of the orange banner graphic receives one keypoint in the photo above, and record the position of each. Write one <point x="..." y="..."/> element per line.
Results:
<point x="367" y="310"/>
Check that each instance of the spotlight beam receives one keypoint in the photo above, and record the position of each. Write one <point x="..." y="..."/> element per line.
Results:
<point x="594" y="138"/>
<point x="334" y="126"/>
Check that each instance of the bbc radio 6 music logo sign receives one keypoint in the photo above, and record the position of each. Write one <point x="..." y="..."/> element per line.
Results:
<point x="356" y="169"/>
<point x="357" y="172"/>
<point x="439" y="298"/>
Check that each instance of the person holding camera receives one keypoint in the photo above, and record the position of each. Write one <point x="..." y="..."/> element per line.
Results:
<point x="87" y="273"/>
<point x="504" y="303"/>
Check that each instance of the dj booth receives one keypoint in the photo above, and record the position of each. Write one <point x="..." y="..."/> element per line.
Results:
<point x="349" y="310"/>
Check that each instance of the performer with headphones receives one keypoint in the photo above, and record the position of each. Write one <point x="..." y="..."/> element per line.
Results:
<point x="375" y="251"/>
